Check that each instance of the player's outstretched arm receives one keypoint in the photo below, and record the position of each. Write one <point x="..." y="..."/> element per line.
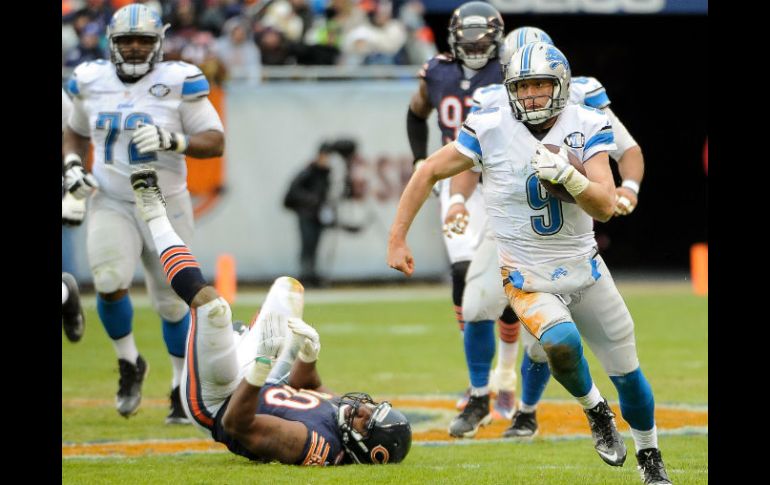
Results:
<point x="444" y="163"/>
<point x="266" y="436"/>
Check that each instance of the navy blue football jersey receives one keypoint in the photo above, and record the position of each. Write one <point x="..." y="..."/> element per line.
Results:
<point x="451" y="94"/>
<point x="316" y="410"/>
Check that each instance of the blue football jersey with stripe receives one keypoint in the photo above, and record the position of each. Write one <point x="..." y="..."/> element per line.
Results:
<point x="451" y="94"/>
<point x="109" y="111"/>
<point x="316" y="410"/>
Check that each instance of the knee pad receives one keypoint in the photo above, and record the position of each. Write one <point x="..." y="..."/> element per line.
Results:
<point x="563" y="346"/>
<point x="107" y="279"/>
<point x="171" y="309"/>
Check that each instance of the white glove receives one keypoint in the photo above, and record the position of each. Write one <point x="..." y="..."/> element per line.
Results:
<point x="77" y="181"/>
<point x="271" y="329"/>
<point x="73" y="210"/>
<point x="307" y="338"/>
<point x="153" y="138"/>
<point x="556" y="168"/>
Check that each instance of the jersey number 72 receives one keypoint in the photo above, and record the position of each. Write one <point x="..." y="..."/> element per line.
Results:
<point x="111" y="121"/>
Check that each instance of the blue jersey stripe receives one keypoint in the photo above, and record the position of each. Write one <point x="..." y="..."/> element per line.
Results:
<point x="600" y="138"/>
<point x="470" y="142"/>
<point x="191" y="88"/>
<point x="598" y="100"/>
<point x="474" y="109"/>
<point x="72" y="87"/>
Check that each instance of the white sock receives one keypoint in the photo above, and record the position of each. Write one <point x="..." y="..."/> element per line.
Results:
<point x="64" y="293"/>
<point x="645" y="439"/>
<point x="479" y="391"/>
<point x="177" y="364"/>
<point x="505" y="369"/>
<point x="163" y="234"/>
<point x="126" y="349"/>
<point x="526" y="408"/>
<point x="591" y="399"/>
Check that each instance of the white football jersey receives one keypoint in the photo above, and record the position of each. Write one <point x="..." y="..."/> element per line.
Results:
<point x="582" y="90"/>
<point x="172" y="95"/>
<point x="536" y="233"/>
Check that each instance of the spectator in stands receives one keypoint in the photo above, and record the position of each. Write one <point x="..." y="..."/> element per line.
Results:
<point x="238" y="52"/>
<point x="341" y="17"/>
<point x="420" y="44"/>
<point x="217" y="13"/>
<point x="88" y="49"/>
<point x="378" y="41"/>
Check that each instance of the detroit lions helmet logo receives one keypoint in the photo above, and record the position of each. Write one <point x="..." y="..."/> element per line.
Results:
<point x="555" y="57"/>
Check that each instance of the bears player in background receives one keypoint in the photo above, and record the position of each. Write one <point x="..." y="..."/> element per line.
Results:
<point x="583" y="90"/>
<point x="136" y="109"/>
<point x="552" y="273"/>
<point x="261" y="395"/>
<point x="446" y="84"/>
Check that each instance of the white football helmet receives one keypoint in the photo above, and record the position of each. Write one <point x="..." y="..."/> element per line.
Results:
<point x="538" y="60"/>
<point x="136" y="19"/>
<point x="516" y="39"/>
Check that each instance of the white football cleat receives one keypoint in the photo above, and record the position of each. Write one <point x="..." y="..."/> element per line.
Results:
<point x="149" y="199"/>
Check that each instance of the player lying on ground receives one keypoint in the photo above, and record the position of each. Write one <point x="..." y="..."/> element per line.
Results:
<point x="272" y="407"/>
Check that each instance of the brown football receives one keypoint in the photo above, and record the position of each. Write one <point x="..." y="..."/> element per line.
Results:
<point x="558" y="190"/>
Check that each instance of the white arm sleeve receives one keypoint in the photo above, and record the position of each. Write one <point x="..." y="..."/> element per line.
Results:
<point x="78" y="120"/>
<point x="623" y="138"/>
<point x="198" y="116"/>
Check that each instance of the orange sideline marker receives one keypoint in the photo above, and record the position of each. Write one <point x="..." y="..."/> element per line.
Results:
<point x="225" y="281"/>
<point x="699" y="268"/>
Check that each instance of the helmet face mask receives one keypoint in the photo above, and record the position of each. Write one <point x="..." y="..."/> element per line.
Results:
<point x="475" y="34"/>
<point x="132" y="21"/>
<point x="538" y="60"/>
<point x="386" y="438"/>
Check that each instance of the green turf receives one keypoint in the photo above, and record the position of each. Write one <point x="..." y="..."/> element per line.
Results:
<point x="388" y="349"/>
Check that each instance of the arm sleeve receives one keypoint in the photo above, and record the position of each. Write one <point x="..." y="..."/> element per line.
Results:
<point x="623" y="138"/>
<point x="198" y="116"/>
<point x="417" y="131"/>
<point x="78" y="119"/>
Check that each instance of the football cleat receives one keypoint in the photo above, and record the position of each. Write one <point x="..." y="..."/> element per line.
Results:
<point x="651" y="467"/>
<point x="130" y="385"/>
<point x="607" y="441"/>
<point x="504" y="406"/>
<point x="475" y="415"/>
<point x="177" y="414"/>
<point x="149" y="199"/>
<point x="72" y="315"/>
<point x="523" y="425"/>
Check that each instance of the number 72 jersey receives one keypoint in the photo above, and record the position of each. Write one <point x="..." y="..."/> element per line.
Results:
<point x="172" y="95"/>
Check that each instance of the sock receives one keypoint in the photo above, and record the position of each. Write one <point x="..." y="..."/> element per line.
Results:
<point x="182" y="270"/>
<point x="645" y="439"/>
<point x="479" y="350"/>
<point x="126" y="349"/>
<point x="177" y="365"/>
<point x="460" y="321"/>
<point x="637" y="404"/>
<point x="590" y="400"/>
<point x="534" y="378"/>
<point x="507" y="352"/>
<point x="175" y="335"/>
<point x="116" y="316"/>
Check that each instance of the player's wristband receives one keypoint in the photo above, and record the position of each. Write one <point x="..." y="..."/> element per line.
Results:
<point x="631" y="185"/>
<point x="258" y="371"/>
<point x="179" y="142"/>
<point x="457" y="198"/>
<point x="576" y="182"/>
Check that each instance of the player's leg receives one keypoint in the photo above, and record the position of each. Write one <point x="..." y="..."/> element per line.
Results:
<point x="211" y="371"/>
<point x="72" y="315"/>
<point x="113" y="244"/>
<point x="534" y="378"/>
<point x="608" y="329"/>
<point x="173" y="311"/>
<point x="548" y="317"/>
<point x="504" y="377"/>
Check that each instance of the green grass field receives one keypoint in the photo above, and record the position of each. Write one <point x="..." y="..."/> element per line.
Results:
<point x="389" y="349"/>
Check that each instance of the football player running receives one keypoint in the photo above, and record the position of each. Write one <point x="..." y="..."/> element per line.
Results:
<point x="583" y="90"/>
<point x="137" y="109"/>
<point x="551" y="271"/>
<point x="261" y="395"/>
<point x="446" y="83"/>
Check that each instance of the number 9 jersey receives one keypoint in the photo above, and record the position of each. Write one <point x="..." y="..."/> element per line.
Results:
<point x="172" y="95"/>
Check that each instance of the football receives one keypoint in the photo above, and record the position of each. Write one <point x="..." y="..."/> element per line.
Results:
<point x="558" y="190"/>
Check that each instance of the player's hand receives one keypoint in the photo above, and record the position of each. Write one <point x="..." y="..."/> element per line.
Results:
<point x="153" y="138"/>
<point x="554" y="167"/>
<point x="73" y="210"/>
<point x="625" y="201"/>
<point x="400" y="258"/>
<point x="77" y="181"/>
<point x="272" y="330"/>
<point x="307" y="338"/>
<point x="456" y="220"/>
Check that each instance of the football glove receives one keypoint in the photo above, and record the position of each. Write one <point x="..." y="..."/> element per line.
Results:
<point x="555" y="168"/>
<point x="271" y="328"/>
<point x="73" y="210"/>
<point x="306" y="338"/>
<point x="77" y="181"/>
<point x="153" y="138"/>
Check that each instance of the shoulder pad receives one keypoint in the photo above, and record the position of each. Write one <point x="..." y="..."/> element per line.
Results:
<point x="86" y="73"/>
<point x="193" y="81"/>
